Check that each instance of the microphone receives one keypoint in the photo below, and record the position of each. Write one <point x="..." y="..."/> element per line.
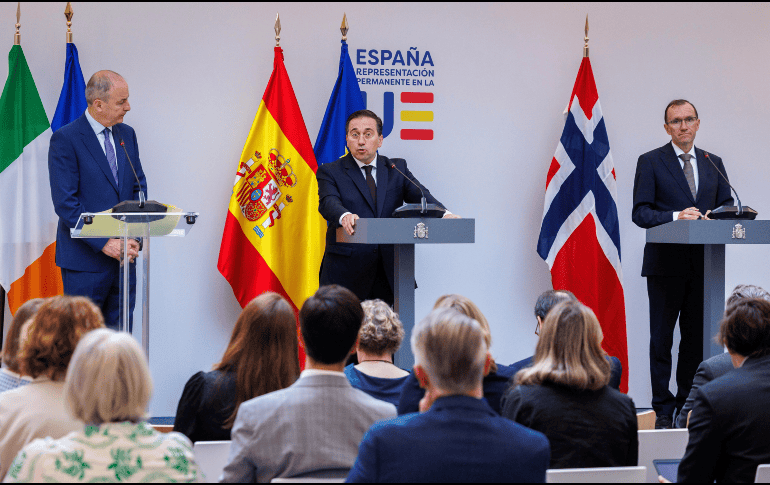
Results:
<point x="130" y="205"/>
<point x="142" y="198"/>
<point x="730" y="212"/>
<point x="415" y="210"/>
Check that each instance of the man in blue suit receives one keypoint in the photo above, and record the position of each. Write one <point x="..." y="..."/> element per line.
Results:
<point x="363" y="184"/>
<point x="676" y="181"/>
<point x="457" y="437"/>
<point x="89" y="173"/>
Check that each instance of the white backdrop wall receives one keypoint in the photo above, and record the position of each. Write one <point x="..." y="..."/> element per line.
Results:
<point x="502" y="77"/>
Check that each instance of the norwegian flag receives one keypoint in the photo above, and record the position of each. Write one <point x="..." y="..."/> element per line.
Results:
<point x="580" y="235"/>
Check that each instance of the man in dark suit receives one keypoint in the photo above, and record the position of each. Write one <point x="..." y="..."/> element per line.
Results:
<point x="456" y="437"/>
<point x="89" y="173"/>
<point x="363" y="184"/>
<point x="729" y="427"/>
<point x="676" y="181"/>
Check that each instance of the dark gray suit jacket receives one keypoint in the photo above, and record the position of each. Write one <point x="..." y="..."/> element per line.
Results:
<point x="708" y="370"/>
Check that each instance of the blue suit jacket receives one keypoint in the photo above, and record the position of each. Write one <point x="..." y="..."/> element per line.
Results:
<point x="342" y="188"/>
<point x="460" y="439"/>
<point x="81" y="181"/>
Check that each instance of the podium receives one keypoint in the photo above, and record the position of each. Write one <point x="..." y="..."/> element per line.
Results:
<point x="713" y="235"/>
<point x="404" y="234"/>
<point x="134" y="225"/>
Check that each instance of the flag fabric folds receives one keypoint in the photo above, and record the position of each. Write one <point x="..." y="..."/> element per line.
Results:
<point x="580" y="235"/>
<point x="72" y="100"/>
<point x="345" y="100"/>
<point x="273" y="238"/>
<point x="27" y="218"/>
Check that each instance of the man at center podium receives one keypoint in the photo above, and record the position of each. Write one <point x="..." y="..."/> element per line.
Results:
<point x="363" y="184"/>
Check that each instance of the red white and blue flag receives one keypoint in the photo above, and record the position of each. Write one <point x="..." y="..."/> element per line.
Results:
<point x="580" y="235"/>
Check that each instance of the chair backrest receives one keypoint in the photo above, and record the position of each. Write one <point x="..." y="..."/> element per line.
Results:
<point x="618" y="474"/>
<point x="212" y="458"/>
<point x="645" y="420"/>
<point x="763" y="474"/>
<point x="660" y="444"/>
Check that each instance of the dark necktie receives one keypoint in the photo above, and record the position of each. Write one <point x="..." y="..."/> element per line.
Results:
<point x="688" y="173"/>
<point x="110" y="152"/>
<point x="371" y="184"/>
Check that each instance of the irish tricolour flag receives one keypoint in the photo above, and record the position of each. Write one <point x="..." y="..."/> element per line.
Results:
<point x="27" y="218"/>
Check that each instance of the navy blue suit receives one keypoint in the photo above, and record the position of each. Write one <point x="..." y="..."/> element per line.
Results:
<point x="460" y="439"/>
<point x="674" y="271"/>
<point x="82" y="181"/>
<point x="342" y="188"/>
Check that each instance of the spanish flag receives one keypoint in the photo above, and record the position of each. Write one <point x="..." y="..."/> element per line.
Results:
<point x="27" y="217"/>
<point x="274" y="236"/>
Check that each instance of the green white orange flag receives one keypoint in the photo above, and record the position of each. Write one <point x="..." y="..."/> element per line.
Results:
<point x="27" y="217"/>
<point x="274" y="236"/>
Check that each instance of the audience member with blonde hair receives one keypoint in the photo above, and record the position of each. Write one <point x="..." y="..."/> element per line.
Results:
<point x="730" y="424"/>
<point x="37" y="410"/>
<point x="564" y="394"/>
<point x="457" y="437"/>
<point x="379" y="338"/>
<point x="10" y="376"/>
<point x="261" y="357"/>
<point x="108" y="387"/>
<point x="495" y="382"/>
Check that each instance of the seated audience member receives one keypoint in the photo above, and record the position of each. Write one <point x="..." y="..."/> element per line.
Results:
<point x="108" y="386"/>
<point x="379" y="338"/>
<point x="262" y="357"/>
<point x="721" y="364"/>
<point x="730" y="425"/>
<point x="564" y="394"/>
<point x="313" y="427"/>
<point x="10" y="377"/>
<point x="495" y="382"/>
<point x="457" y="437"/>
<point x="37" y="409"/>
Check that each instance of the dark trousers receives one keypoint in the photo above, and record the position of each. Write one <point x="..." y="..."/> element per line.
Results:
<point x="673" y="297"/>
<point x="103" y="288"/>
<point x="381" y="288"/>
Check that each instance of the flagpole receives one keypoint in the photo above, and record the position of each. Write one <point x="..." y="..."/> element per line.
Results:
<point x="344" y="27"/>
<point x="277" y="30"/>
<point x="68" y="15"/>
<point x="585" y="39"/>
<point x="17" y="36"/>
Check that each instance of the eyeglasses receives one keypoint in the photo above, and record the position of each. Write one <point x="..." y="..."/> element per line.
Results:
<point x="676" y="123"/>
<point x="537" y="329"/>
<point x="367" y="136"/>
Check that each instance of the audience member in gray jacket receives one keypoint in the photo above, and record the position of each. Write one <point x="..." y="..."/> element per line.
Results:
<point x="312" y="428"/>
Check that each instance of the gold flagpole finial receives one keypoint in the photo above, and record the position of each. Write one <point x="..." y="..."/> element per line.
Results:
<point x="17" y="36"/>
<point x="585" y="47"/>
<point x="277" y="30"/>
<point x="344" y="27"/>
<point x="68" y="15"/>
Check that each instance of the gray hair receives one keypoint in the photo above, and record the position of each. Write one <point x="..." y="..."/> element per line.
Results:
<point x="108" y="379"/>
<point x="99" y="86"/>
<point x="747" y="291"/>
<point x="382" y="331"/>
<point x="451" y="348"/>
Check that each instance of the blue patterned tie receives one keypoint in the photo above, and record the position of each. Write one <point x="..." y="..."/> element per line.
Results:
<point x="110" y="152"/>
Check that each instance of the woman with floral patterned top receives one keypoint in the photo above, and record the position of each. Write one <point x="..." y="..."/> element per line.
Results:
<point x="108" y="386"/>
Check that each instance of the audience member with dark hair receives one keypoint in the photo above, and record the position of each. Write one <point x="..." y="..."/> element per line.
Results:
<point x="729" y="427"/>
<point x="564" y="394"/>
<point x="262" y="357"/>
<point x="495" y="382"/>
<point x="37" y="410"/>
<point x="721" y="364"/>
<point x="108" y="386"/>
<point x="379" y="338"/>
<point x="10" y="376"/>
<point x="313" y="427"/>
<point x="457" y="437"/>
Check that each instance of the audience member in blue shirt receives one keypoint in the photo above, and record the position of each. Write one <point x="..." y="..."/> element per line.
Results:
<point x="10" y="377"/>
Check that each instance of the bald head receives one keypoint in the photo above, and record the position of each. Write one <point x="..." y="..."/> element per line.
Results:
<point x="100" y="84"/>
<point x="107" y="97"/>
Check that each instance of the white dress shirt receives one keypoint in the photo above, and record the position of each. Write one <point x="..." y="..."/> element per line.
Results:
<point x="693" y="162"/>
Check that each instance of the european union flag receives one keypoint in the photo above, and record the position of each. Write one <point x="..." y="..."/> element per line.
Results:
<point x="346" y="99"/>
<point x="72" y="100"/>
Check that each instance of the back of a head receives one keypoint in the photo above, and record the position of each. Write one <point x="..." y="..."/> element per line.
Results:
<point x="451" y="348"/>
<point x="569" y="350"/>
<point x="382" y="331"/>
<point x="108" y="380"/>
<point x="11" y="346"/>
<point x="263" y="350"/>
<point x="745" y="328"/>
<point x="58" y="325"/>
<point x="549" y="299"/>
<point x="329" y="321"/>
<point x="742" y="292"/>
<point x="468" y="308"/>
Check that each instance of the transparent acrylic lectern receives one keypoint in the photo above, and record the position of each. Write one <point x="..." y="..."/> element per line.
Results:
<point x="135" y="225"/>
